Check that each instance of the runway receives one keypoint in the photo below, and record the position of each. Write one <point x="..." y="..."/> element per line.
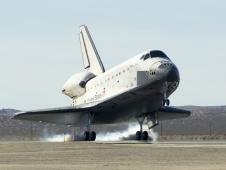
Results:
<point x="125" y="155"/>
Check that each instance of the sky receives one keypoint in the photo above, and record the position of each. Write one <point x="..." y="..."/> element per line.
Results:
<point x="40" y="50"/>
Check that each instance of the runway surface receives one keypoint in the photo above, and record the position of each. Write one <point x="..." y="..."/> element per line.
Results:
<point x="126" y="155"/>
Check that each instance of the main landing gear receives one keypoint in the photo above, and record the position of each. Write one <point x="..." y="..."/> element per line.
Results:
<point x="88" y="135"/>
<point x="141" y="135"/>
<point x="152" y="118"/>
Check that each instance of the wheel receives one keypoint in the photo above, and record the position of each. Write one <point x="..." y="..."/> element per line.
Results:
<point x="138" y="135"/>
<point x="86" y="135"/>
<point x="167" y="102"/>
<point x="163" y="102"/>
<point x="93" y="136"/>
<point x="145" y="135"/>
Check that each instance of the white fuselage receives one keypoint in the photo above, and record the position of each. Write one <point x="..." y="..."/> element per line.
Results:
<point x="119" y="79"/>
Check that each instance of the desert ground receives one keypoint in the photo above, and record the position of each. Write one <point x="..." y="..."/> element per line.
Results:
<point x="126" y="155"/>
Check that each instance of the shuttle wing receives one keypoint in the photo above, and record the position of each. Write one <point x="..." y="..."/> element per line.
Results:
<point x="63" y="115"/>
<point x="72" y="116"/>
<point x="166" y="113"/>
<point x="91" y="57"/>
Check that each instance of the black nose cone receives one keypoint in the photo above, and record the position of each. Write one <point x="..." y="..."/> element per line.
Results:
<point x="173" y="74"/>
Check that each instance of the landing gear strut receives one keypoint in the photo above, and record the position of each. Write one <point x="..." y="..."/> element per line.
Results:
<point x="152" y="121"/>
<point x="165" y="102"/>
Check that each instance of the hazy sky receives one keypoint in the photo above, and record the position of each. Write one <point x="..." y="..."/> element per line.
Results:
<point x="39" y="47"/>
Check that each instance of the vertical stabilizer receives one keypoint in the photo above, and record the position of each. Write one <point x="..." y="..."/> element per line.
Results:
<point x="91" y="57"/>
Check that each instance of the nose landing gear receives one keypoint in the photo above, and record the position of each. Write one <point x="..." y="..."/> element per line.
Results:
<point x="166" y="102"/>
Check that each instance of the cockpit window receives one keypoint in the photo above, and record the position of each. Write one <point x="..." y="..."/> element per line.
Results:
<point x="145" y="56"/>
<point x="153" y="54"/>
<point x="157" y="53"/>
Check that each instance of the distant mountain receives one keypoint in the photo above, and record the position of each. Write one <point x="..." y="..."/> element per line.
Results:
<point x="205" y="109"/>
<point x="8" y="112"/>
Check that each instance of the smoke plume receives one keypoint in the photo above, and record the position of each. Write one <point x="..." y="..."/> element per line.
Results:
<point x="52" y="137"/>
<point x="126" y="134"/>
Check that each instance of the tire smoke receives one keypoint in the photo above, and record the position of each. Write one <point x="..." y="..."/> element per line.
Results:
<point x="126" y="134"/>
<point x="52" y="137"/>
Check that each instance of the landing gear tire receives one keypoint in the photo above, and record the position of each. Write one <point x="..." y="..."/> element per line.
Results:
<point x="166" y="102"/>
<point x="90" y="136"/>
<point x="142" y="135"/>
<point x="93" y="136"/>
<point x="145" y="135"/>
<point x="138" y="135"/>
<point x="86" y="135"/>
